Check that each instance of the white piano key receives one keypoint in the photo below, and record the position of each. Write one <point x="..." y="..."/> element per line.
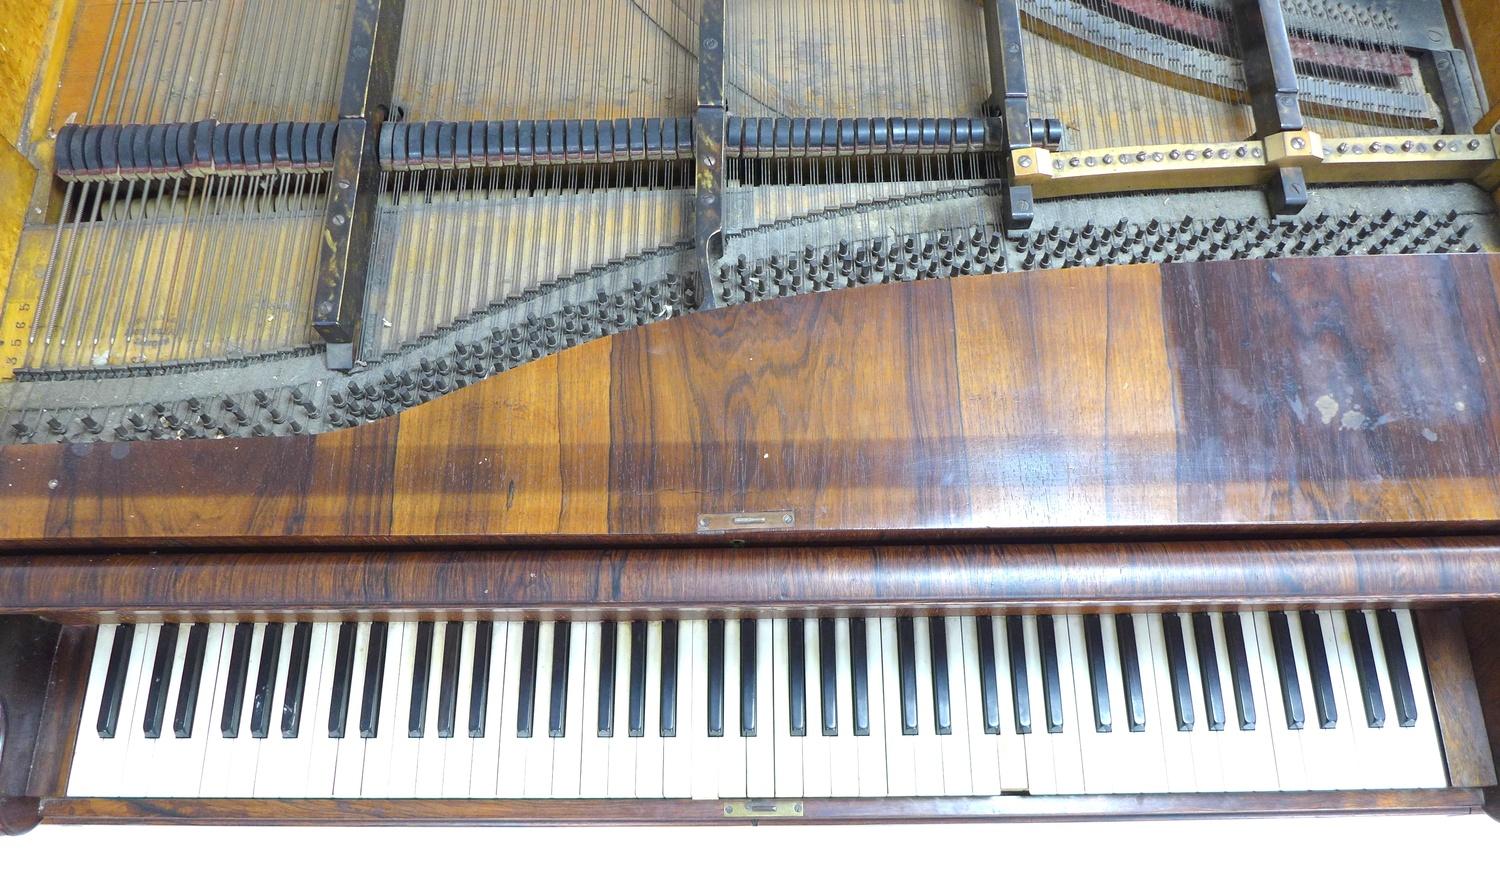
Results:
<point x="816" y="773"/>
<point x="732" y="748"/>
<point x="513" y="749"/>
<point x="1156" y="778"/>
<point x="1291" y="758"/>
<point x="400" y="779"/>
<point x="925" y="745"/>
<point x="1177" y="746"/>
<point x="274" y="772"/>
<point x="567" y="750"/>
<point x="188" y="771"/>
<point x="323" y="751"/>
<point x="244" y="753"/>
<point x="1430" y="770"/>
<point x="705" y="784"/>
<point x="1344" y="735"/>
<point x="539" y="747"/>
<point x="958" y="774"/>
<point x="1404" y="764"/>
<point x="169" y="753"/>
<point x="622" y="747"/>
<point x="677" y="750"/>
<point x="430" y="749"/>
<point x="901" y="757"/>
<point x="1011" y="744"/>
<point x="1249" y="758"/>
<point x="788" y="747"/>
<point x="486" y="767"/>
<point x="873" y="749"/>
<point x="1041" y="765"/>
<point x="218" y="751"/>
<point x="1370" y="764"/>
<point x="760" y="749"/>
<point x="1099" y="769"/>
<point x="593" y="752"/>
<point x="381" y="777"/>
<point x="1325" y="750"/>
<point x="301" y="749"/>
<point x="1260" y="750"/>
<point x="1067" y="752"/>
<point x="648" y="768"/>
<point x="1139" y="767"/>
<point x="139" y="751"/>
<point x="349" y="768"/>
<point x="843" y="748"/>
<point x="984" y="748"/>
<point x="91" y="761"/>
<point x="458" y="752"/>
<point x="1208" y="766"/>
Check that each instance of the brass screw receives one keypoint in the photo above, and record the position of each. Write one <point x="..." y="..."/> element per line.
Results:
<point x="1298" y="143"/>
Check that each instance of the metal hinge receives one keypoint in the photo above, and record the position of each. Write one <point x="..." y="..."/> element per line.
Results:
<point x="775" y="519"/>
<point x="763" y="809"/>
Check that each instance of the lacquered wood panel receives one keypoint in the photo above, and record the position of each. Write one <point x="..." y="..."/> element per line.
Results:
<point x="1466" y="747"/>
<point x="698" y="812"/>
<point x="605" y="582"/>
<point x="1294" y="397"/>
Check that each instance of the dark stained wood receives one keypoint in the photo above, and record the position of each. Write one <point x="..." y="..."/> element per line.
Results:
<point x="1365" y="571"/>
<point x="1460" y="717"/>
<point x="697" y="812"/>
<point x="1129" y="402"/>
<point x="27" y="648"/>
<point x="1481" y="624"/>
<point x="62" y="712"/>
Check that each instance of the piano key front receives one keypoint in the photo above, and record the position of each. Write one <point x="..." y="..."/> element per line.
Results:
<point x="800" y="707"/>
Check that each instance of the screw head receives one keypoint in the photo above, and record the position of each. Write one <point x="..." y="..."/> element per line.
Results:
<point x="711" y="43"/>
<point x="1024" y="162"/>
<point x="1299" y="143"/>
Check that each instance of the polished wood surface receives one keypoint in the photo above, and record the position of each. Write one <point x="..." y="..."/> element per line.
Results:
<point x="1455" y="700"/>
<point x="1426" y="571"/>
<point x="698" y="812"/>
<point x="1301" y="396"/>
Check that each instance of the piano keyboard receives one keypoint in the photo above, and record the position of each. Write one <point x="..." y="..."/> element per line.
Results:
<point x="725" y="708"/>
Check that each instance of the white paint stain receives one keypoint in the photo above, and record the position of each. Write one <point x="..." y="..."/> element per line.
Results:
<point x="1353" y="420"/>
<point x="52" y="485"/>
<point x="1327" y="407"/>
<point x="1460" y="406"/>
<point x="1428" y="434"/>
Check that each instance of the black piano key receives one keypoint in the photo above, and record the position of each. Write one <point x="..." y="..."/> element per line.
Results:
<point x="716" y="677"/>
<point x="1051" y="674"/>
<point x="989" y="686"/>
<point x="453" y="648"/>
<point x="1130" y="672"/>
<point x="526" y="702"/>
<point x="234" y="683"/>
<point x="796" y="668"/>
<point x="1177" y="669"/>
<point x="557" y="712"/>
<point x="1317" y="666"/>
<point x="1093" y="640"/>
<point x="161" y="680"/>
<point x="859" y="676"/>
<point x="114" y="680"/>
<point x="1208" y="671"/>
<point x="1239" y="670"/>
<point x="1286" y="670"/>
<point x="607" y="632"/>
<point x="906" y="657"/>
<point x="265" y="681"/>
<point x="828" y="672"/>
<point x="669" y="678"/>
<point x="343" y="680"/>
<point x="192" y="681"/>
<point x="1020" y="682"/>
<point x="296" y="681"/>
<point x="416" y="716"/>
<point x="942" y="699"/>
<point x="374" y="685"/>
<point x="749" y="669"/>
<point x="1364" y="664"/>
<point x="479" y="684"/>
<point x="1402" y="694"/>
<point x="637" y="706"/>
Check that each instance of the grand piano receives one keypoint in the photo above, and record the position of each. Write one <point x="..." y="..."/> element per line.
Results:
<point x="1015" y="409"/>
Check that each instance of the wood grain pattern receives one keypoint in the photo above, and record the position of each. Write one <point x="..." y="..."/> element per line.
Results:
<point x="1466" y="749"/>
<point x="759" y="579"/>
<point x="637" y="812"/>
<point x="1297" y="397"/>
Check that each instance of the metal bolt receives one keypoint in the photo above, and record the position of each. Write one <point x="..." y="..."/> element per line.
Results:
<point x="711" y="44"/>
<point x="703" y="522"/>
<point x="343" y="185"/>
<point x="1299" y="143"/>
<point x="787" y="518"/>
<point x="1024" y="162"/>
<point x="338" y="220"/>
<point x="1473" y="144"/>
